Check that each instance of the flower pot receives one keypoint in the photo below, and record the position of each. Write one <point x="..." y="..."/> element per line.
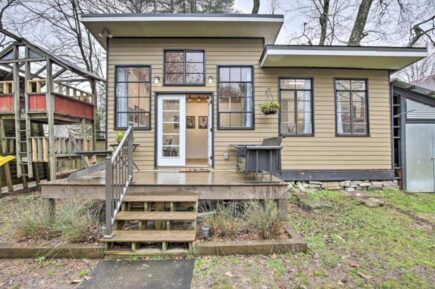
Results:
<point x="269" y="111"/>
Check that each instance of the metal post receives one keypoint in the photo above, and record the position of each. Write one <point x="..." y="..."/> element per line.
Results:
<point x="130" y="155"/>
<point x="109" y="197"/>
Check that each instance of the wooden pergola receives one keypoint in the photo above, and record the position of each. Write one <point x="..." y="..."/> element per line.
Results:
<point x="36" y="88"/>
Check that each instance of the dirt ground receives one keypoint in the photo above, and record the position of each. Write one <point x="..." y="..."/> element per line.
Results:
<point x="44" y="274"/>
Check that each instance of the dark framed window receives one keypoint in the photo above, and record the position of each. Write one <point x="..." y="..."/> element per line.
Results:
<point x="235" y="97"/>
<point x="133" y="96"/>
<point x="296" y="106"/>
<point x="351" y="105"/>
<point x="184" y="67"/>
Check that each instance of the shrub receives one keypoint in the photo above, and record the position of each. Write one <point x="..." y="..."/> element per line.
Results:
<point x="228" y="221"/>
<point x="265" y="219"/>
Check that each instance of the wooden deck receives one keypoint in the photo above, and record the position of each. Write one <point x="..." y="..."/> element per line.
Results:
<point x="212" y="185"/>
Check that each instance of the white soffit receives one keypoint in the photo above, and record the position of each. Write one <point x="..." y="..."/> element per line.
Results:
<point x="391" y="58"/>
<point x="185" y="25"/>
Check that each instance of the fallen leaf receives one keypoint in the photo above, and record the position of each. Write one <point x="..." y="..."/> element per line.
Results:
<point x="229" y="274"/>
<point x="353" y="264"/>
<point x="367" y="277"/>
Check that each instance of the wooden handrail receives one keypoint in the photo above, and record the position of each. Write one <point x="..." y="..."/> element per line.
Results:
<point x="119" y="175"/>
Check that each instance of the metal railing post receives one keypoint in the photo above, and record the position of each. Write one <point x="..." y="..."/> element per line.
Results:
<point x="130" y="155"/>
<point x="109" y="197"/>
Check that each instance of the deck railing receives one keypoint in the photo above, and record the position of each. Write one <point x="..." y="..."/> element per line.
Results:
<point x="119" y="174"/>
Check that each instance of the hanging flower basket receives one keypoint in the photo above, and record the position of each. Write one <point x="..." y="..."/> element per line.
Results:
<point x="269" y="107"/>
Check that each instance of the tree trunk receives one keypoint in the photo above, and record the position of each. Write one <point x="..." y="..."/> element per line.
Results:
<point x="192" y="5"/>
<point x="256" y="7"/>
<point x="360" y="22"/>
<point x="323" y="21"/>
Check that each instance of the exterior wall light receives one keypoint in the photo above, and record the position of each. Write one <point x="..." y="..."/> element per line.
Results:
<point x="210" y="79"/>
<point x="156" y="79"/>
<point x="105" y="32"/>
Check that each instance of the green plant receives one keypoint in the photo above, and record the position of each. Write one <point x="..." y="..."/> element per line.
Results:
<point x="74" y="221"/>
<point x="265" y="219"/>
<point x="228" y="220"/>
<point x="119" y="136"/>
<point x="269" y="107"/>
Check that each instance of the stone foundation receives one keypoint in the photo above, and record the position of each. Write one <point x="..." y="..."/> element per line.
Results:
<point x="348" y="186"/>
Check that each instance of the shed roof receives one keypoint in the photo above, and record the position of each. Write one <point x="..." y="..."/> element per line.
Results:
<point x="412" y="88"/>
<point x="367" y="57"/>
<point x="184" y="25"/>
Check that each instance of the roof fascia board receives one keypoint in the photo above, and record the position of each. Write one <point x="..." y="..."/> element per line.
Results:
<point x="349" y="52"/>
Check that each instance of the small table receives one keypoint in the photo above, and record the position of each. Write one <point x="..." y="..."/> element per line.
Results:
<point x="135" y="146"/>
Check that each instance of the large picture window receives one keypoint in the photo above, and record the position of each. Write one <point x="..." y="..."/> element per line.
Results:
<point x="184" y="67"/>
<point x="235" y="97"/>
<point x="296" y="106"/>
<point x="132" y="96"/>
<point x="351" y="107"/>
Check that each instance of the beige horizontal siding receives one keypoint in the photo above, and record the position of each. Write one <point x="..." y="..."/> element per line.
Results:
<point x="322" y="151"/>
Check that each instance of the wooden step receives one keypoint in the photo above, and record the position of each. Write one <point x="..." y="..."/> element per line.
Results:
<point x="152" y="236"/>
<point x="126" y="253"/>
<point x="156" y="216"/>
<point x="160" y="198"/>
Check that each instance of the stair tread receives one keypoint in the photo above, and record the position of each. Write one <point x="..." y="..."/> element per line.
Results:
<point x="155" y="216"/>
<point x="152" y="236"/>
<point x="161" y="198"/>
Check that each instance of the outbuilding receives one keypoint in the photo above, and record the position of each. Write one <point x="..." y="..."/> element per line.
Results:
<point x="414" y="136"/>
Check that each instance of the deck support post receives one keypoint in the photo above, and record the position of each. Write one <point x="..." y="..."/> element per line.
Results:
<point x="50" y="117"/>
<point x="50" y="207"/>
<point x="283" y="207"/>
<point x="6" y="168"/>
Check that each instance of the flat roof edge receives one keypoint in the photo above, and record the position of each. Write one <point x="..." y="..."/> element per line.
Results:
<point x="343" y="48"/>
<point x="89" y="18"/>
<point x="181" y="15"/>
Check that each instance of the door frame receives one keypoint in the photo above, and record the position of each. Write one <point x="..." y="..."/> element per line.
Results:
<point x="211" y="130"/>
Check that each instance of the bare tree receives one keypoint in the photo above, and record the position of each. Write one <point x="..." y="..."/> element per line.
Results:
<point x="5" y="4"/>
<point x="323" y="20"/>
<point x="359" y="25"/>
<point x="417" y="32"/>
<point x="256" y="6"/>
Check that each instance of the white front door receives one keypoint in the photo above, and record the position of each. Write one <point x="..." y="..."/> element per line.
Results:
<point x="171" y="133"/>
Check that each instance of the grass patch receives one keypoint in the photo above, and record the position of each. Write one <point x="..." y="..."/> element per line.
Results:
<point x="350" y="246"/>
<point x="74" y="221"/>
<point x="418" y="203"/>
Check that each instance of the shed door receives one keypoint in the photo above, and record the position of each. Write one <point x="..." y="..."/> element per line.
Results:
<point x="420" y="153"/>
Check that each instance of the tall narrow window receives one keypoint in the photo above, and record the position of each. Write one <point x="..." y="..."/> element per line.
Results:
<point x="235" y="97"/>
<point x="184" y="67"/>
<point x="132" y="96"/>
<point x="296" y="106"/>
<point x="351" y="107"/>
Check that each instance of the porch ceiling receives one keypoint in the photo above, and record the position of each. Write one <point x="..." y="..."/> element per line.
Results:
<point x="184" y="25"/>
<point x="390" y="58"/>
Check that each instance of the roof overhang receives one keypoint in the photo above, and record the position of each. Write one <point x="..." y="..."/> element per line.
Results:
<point x="184" y="25"/>
<point x="390" y="58"/>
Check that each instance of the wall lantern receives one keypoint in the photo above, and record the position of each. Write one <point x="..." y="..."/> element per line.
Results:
<point x="210" y="79"/>
<point x="156" y="79"/>
<point x="105" y="32"/>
